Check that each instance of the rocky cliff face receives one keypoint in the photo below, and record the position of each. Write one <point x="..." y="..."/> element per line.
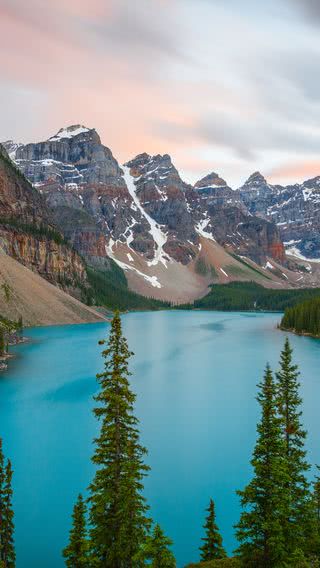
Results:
<point x="76" y="173"/>
<point x="56" y="262"/>
<point x="220" y="214"/>
<point x="28" y="233"/>
<point x="161" y="195"/>
<point x="295" y="209"/>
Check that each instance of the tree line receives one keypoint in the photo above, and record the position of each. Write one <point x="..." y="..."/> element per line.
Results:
<point x="303" y="318"/>
<point x="252" y="296"/>
<point x="279" y="526"/>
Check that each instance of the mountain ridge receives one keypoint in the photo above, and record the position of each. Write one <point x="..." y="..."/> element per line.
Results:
<point x="151" y="222"/>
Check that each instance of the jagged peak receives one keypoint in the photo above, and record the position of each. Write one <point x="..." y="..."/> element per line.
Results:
<point x="256" y="178"/>
<point x="211" y="180"/>
<point x="140" y="159"/>
<point x="70" y="132"/>
<point x="147" y="163"/>
<point x="11" y="147"/>
<point x="311" y="182"/>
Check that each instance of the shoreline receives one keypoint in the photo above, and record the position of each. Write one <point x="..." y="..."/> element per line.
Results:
<point x="299" y="333"/>
<point x="7" y="356"/>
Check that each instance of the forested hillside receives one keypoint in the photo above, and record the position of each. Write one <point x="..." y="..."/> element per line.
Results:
<point x="109" y="288"/>
<point x="252" y="296"/>
<point x="303" y="318"/>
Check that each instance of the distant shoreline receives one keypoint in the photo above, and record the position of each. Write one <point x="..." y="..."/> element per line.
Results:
<point x="300" y="333"/>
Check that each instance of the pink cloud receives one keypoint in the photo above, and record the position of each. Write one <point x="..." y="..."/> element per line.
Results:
<point x="295" y="171"/>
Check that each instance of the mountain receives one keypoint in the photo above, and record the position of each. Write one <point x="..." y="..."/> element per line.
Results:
<point x="172" y="239"/>
<point x="295" y="209"/>
<point x="23" y="293"/>
<point x="220" y="213"/>
<point x="28" y="232"/>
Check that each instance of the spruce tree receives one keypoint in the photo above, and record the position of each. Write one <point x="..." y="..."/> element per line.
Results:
<point x="314" y="536"/>
<point x="8" y="526"/>
<point x="7" y="550"/>
<point x="316" y="500"/>
<point x="298" y="522"/>
<point x="259" y="531"/>
<point x="212" y="548"/>
<point x="156" y="551"/>
<point x="76" y="553"/>
<point x="118" y="510"/>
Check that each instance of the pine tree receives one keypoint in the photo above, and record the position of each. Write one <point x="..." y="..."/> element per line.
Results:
<point x="259" y="531"/>
<point x="7" y="551"/>
<point x="76" y="553"/>
<point x="298" y="522"/>
<point x="118" y="510"/>
<point x="8" y="526"/>
<point x="212" y="548"/>
<point x="314" y="536"/>
<point x="156" y="551"/>
<point x="316" y="500"/>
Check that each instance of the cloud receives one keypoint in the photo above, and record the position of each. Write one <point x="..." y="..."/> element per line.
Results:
<point x="310" y="8"/>
<point x="140" y="27"/>
<point x="296" y="172"/>
<point x="228" y="84"/>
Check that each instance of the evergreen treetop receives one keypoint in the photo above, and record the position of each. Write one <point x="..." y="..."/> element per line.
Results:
<point x="118" y="510"/>
<point x="7" y="550"/>
<point x="212" y="547"/>
<point x="298" y="521"/>
<point x="156" y="551"/>
<point x="259" y="531"/>
<point x="76" y="553"/>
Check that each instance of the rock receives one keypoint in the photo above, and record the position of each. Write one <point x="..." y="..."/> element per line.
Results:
<point x="294" y="208"/>
<point x="28" y="232"/>
<point x="161" y="193"/>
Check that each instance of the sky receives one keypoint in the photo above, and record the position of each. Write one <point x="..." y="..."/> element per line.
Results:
<point x="231" y="86"/>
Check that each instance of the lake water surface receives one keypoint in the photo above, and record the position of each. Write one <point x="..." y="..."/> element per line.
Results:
<point x="195" y="375"/>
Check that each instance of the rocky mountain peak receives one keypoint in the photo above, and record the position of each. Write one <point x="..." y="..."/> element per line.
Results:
<point x="11" y="147"/>
<point x="146" y="163"/>
<point x="70" y="132"/>
<point x="156" y="173"/>
<point x="211" y="180"/>
<point x="312" y="183"/>
<point x="255" y="180"/>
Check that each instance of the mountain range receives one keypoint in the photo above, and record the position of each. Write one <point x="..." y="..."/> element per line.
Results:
<point x="170" y="238"/>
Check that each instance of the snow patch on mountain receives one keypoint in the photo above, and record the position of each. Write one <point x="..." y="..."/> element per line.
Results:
<point x="69" y="132"/>
<point x="294" y="251"/>
<point x="200" y="228"/>
<point x="159" y="237"/>
<point x="153" y="280"/>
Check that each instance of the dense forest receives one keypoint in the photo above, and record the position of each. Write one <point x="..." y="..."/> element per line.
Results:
<point x="303" y="318"/>
<point x="252" y="296"/>
<point x="109" y="288"/>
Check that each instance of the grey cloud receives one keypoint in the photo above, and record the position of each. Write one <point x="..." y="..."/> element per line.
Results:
<point x="310" y="8"/>
<point x="246" y="137"/>
<point x="147" y="27"/>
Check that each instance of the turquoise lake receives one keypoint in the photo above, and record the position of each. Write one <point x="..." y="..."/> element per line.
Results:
<point x="195" y="375"/>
